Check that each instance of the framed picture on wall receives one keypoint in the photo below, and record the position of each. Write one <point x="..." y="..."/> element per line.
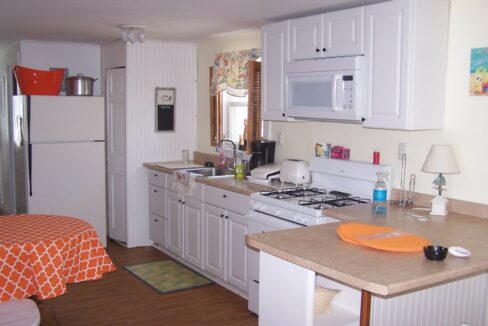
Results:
<point x="165" y="109"/>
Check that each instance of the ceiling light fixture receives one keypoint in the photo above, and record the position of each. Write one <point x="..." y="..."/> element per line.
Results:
<point x="132" y="33"/>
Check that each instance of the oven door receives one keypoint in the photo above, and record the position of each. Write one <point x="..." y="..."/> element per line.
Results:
<point x="260" y="223"/>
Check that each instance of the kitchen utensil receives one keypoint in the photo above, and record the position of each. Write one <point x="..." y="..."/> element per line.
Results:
<point x="80" y="85"/>
<point x="38" y="82"/>
<point x="295" y="171"/>
<point x="459" y="252"/>
<point x="262" y="153"/>
<point x="435" y="252"/>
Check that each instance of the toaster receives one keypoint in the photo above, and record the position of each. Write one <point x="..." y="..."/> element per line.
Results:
<point x="295" y="171"/>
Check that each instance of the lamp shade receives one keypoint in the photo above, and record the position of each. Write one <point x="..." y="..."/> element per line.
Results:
<point x="441" y="159"/>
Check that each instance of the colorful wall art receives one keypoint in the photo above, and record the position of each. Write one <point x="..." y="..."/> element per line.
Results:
<point x="478" y="84"/>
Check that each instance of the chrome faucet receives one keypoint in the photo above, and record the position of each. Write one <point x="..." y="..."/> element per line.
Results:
<point x="234" y="148"/>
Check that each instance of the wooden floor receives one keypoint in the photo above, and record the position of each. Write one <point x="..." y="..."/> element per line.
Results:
<point x="121" y="299"/>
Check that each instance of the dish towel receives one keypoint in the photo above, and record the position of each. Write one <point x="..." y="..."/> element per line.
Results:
<point x="184" y="182"/>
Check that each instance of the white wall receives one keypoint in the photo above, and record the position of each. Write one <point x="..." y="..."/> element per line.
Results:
<point x="149" y="65"/>
<point x="79" y="58"/>
<point x="206" y="54"/>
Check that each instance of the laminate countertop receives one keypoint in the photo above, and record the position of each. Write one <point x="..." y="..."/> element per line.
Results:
<point x="320" y="249"/>
<point x="228" y="182"/>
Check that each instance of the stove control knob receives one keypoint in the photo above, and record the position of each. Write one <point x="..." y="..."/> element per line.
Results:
<point x="303" y="221"/>
<point x="279" y="212"/>
<point x="256" y="206"/>
<point x="296" y="217"/>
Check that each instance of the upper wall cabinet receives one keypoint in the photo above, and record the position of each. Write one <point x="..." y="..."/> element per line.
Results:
<point x="406" y="59"/>
<point x="274" y="45"/>
<point x="334" y="34"/>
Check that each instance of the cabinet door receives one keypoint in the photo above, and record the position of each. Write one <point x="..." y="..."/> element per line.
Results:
<point x="214" y="235"/>
<point x="175" y="223"/>
<point x="343" y="33"/>
<point x="386" y="54"/>
<point x="193" y="226"/>
<point x="306" y="38"/>
<point x="157" y="200"/>
<point x="157" y="229"/>
<point x="274" y="44"/>
<point x="236" y="250"/>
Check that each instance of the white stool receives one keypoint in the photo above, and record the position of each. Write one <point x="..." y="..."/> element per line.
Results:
<point x="21" y="312"/>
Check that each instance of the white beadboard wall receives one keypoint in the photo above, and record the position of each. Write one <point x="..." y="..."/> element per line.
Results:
<point x="462" y="302"/>
<point x="149" y="65"/>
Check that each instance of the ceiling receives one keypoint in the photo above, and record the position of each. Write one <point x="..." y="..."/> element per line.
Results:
<point x="96" y="21"/>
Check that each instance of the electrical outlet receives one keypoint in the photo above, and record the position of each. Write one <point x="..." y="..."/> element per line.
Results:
<point x="402" y="149"/>
<point x="280" y="139"/>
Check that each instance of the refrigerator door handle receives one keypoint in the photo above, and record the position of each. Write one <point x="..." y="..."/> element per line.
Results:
<point x="29" y="162"/>
<point x="20" y="123"/>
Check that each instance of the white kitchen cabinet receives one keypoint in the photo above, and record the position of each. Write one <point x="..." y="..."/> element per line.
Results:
<point x="224" y="233"/>
<point x="274" y="45"/>
<point x="334" y="34"/>
<point x="193" y="231"/>
<point x="175" y="223"/>
<point x="185" y="227"/>
<point x="236" y="250"/>
<point x="306" y="38"/>
<point x="157" y="207"/>
<point x="225" y="249"/>
<point x="157" y="200"/>
<point x="406" y="57"/>
<point x="157" y="229"/>
<point x="214" y="235"/>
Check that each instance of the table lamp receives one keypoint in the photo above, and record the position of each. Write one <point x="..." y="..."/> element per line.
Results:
<point x="440" y="160"/>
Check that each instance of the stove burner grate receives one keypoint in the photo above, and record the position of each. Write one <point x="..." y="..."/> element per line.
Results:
<point x="295" y="192"/>
<point x="330" y="202"/>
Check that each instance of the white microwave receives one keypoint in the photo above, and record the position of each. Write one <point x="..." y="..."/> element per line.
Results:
<point x="327" y="89"/>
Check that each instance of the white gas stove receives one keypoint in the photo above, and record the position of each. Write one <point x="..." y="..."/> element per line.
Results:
<point x="335" y="183"/>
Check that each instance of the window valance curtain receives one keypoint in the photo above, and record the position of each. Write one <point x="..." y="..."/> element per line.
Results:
<point x="230" y="72"/>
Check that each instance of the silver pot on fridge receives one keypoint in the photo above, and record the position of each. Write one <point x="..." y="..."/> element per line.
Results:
<point x="79" y="85"/>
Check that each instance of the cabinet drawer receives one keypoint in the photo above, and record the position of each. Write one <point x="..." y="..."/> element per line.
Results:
<point x="156" y="178"/>
<point x="227" y="199"/>
<point x="157" y="229"/>
<point x="197" y="191"/>
<point x="157" y="200"/>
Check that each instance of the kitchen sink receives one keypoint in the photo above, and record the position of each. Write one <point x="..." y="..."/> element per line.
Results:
<point x="212" y="172"/>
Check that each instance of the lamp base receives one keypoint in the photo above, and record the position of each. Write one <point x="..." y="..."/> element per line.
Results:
<point x="439" y="205"/>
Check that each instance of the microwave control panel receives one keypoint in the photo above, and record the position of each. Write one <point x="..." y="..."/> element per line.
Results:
<point x="348" y="87"/>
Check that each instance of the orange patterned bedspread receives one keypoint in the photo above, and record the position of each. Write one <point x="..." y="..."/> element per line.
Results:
<point x="40" y="254"/>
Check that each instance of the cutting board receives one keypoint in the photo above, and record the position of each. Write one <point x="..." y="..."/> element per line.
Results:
<point x="381" y="237"/>
<point x="178" y="165"/>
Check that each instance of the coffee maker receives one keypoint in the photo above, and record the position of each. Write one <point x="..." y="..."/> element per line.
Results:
<point x="262" y="153"/>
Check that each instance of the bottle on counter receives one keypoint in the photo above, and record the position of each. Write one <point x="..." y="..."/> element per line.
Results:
<point x="221" y="159"/>
<point x="380" y="194"/>
<point x="239" y="168"/>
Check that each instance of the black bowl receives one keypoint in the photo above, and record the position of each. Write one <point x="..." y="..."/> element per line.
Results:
<point x="435" y="252"/>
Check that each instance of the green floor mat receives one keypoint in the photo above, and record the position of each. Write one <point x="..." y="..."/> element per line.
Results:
<point x="168" y="276"/>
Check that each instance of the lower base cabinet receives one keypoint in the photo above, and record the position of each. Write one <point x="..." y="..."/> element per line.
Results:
<point x="225" y="250"/>
<point x="157" y="229"/>
<point x="193" y="231"/>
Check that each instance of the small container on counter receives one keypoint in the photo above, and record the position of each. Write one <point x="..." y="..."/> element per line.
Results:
<point x="376" y="157"/>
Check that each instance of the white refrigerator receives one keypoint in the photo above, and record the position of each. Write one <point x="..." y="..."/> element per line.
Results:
<point x="57" y="158"/>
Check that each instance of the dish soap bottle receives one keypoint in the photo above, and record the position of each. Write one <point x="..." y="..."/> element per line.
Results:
<point x="239" y="168"/>
<point x="380" y="194"/>
<point x="221" y="159"/>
